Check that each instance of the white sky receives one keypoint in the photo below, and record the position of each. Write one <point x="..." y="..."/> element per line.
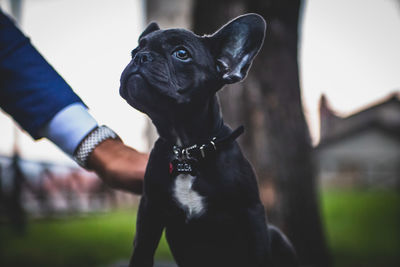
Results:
<point x="349" y="51"/>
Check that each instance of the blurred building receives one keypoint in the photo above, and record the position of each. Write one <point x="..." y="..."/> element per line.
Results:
<point x="362" y="149"/>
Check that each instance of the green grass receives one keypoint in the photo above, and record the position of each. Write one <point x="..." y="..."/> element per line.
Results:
<point x="363" y="227"/>
<point x="96" y="240"/>
<point x="363" y="230"/>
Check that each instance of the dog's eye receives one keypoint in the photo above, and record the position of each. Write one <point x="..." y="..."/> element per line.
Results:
<point x="182" y="54"/>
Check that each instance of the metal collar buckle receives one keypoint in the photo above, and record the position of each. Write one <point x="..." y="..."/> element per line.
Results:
<point x="203" y="154"/>
<point x="202" y="147"/>
<point x="186" y="151"/>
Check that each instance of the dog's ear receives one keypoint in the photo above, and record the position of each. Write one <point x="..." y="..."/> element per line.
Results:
<point x="153" y="26"/>
<point x="236" y="44"/>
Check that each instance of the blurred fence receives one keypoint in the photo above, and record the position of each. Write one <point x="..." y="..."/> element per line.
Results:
<point x="43" y="189"/>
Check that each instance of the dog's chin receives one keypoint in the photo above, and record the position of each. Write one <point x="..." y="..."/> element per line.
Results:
<point x="182" y="100"/>
<point x="130" y="90"/>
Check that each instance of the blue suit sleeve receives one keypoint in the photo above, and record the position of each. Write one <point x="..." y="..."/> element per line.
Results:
<point x="31" y="91"/>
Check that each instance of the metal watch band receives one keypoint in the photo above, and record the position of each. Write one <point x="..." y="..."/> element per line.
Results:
<point x="90" y="142"/>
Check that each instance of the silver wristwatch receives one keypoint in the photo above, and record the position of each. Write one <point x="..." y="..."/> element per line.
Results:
<point x="90" y="142"/>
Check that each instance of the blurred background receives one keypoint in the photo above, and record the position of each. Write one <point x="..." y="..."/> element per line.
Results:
<point x="321" y="107"/>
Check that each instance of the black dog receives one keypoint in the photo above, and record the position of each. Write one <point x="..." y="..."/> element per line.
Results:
<point x="198" y="185"/>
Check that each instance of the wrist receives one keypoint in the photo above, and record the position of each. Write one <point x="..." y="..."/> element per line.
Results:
<point x="90" y="142"/>
<point x="105" y="154"/>
<point x="119" y="166"/>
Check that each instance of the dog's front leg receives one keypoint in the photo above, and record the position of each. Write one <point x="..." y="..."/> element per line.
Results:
<point x="260" y="249"/>
<point x="149" y="227"/>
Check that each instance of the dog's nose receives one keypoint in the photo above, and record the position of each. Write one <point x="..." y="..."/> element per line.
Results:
<point x="142" y="57"/>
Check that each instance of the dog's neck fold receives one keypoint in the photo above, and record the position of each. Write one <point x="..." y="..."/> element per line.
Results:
<point x="192" y="124"/>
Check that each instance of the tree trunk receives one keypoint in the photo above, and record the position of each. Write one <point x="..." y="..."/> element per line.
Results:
<point x="277" y="140"/>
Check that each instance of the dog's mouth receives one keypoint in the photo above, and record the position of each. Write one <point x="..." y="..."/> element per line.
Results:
<point x="123" y="89"/>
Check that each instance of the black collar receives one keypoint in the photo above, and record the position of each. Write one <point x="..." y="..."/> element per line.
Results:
<point x="201" y="151"/>
<point x="186" y="158"/>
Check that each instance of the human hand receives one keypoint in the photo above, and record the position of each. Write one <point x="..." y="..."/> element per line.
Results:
<point x="119" y="166"/>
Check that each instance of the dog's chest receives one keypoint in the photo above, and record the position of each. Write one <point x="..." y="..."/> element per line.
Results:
<point x="188" y="199"/>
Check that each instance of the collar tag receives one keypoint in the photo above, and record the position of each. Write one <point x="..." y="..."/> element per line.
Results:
<point x="186" y="166"/>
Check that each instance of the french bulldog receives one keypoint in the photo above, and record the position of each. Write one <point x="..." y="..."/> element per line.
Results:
<point x="198" y="185"/>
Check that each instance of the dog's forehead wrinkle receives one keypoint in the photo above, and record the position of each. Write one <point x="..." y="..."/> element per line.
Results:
<point x="176" y="37"/>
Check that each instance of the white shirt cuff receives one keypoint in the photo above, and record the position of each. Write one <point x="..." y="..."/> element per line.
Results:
<point x="69" y="126"/>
